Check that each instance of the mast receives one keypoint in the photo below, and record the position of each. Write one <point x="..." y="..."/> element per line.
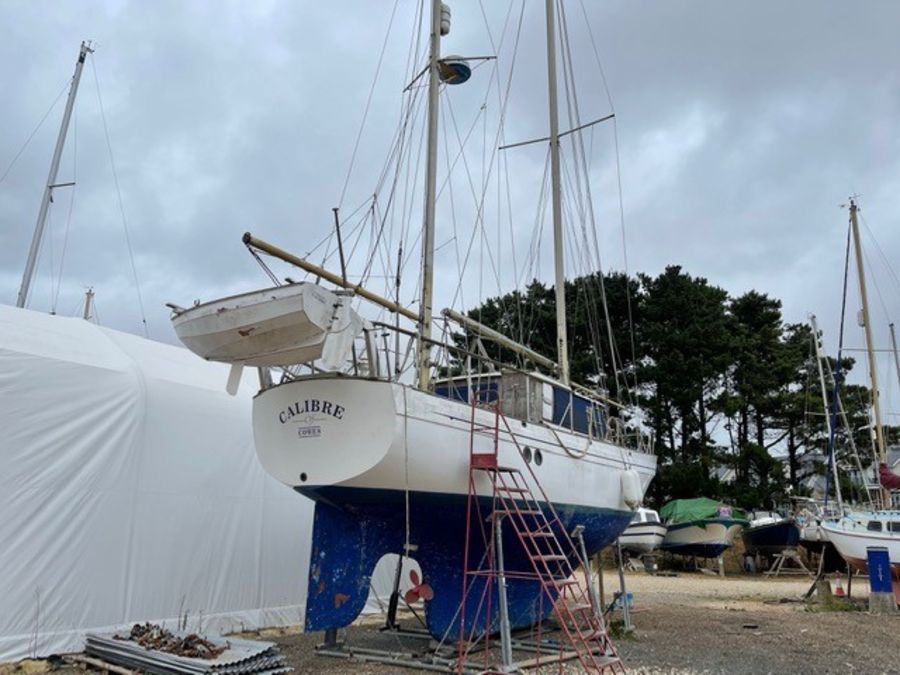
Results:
<point x="829" y="417"/>
<point x="423" y="351"/>
<point x="870" y="350"/>
<point x="51" y="180"/>
<point x="558" y="242"/>
<point x="88" y="304"/>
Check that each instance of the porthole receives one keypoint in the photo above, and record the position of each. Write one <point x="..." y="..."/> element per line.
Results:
<point x="526" y="454"/>
<point x="303" y="477"/>
<point x="538" y="457"/>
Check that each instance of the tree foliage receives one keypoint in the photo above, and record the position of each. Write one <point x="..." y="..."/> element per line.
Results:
<point x="729" y="390"/>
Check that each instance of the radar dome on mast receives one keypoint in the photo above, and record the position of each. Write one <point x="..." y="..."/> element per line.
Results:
<point x="454" y="70"/>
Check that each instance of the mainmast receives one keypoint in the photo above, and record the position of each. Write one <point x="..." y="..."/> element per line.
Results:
<point x="870" y="350"/>
<point x="51" y="180"/>
<point x="423" y="351"/>
<point x="555" y="180"/>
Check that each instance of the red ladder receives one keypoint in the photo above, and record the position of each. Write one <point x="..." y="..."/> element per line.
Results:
<point x="548" y="546"/>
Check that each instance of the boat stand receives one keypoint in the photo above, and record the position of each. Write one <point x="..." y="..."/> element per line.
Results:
<point x="784" y="561"/>
<point x="626" y="610"/>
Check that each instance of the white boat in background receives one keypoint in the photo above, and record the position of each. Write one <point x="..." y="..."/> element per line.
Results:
<point x="860" y="530"/>
<point x="700" y="527"/>
<point x="856" y="531"/>
<point x="644" y="534"/>
<point x="707" y="538"/>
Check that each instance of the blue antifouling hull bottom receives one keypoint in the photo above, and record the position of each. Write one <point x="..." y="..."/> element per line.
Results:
<point x="354" y="528"/>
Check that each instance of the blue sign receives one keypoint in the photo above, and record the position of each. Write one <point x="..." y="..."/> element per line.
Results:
<point x="879" y="570"/>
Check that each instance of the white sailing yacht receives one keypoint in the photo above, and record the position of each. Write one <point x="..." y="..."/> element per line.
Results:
<point x="857" y="531"/>
<point x="386" y="458"/>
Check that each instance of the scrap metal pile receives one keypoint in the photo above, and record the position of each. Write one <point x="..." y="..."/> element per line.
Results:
<point x="153" y="649"/>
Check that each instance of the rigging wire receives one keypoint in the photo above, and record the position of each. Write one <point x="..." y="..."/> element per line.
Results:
<point x="884" y="258"/>
<point x="587" y="207"/>
<point x="838" y="374"/>
<point x="362" y="123"/>
<point x="115" y="173"/>
<point x="612" y="108"/>
<point x="35" y="130"/>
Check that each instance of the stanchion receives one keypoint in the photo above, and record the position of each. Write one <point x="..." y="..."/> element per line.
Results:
<point x="626" y="610"/>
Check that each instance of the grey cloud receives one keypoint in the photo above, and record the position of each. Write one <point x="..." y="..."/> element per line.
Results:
<point x="742" y="128"/>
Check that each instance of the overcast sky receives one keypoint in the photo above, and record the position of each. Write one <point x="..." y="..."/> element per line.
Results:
<point x="742" y="129"/>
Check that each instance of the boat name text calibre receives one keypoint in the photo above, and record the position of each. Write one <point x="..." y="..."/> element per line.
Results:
<point x="312" y="405"/>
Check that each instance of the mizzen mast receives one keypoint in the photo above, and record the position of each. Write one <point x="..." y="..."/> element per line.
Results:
<point x="28" y="274"/>
<point x="555" y="179"/>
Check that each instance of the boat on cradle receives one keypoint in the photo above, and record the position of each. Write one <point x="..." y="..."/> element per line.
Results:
<point x="809" y="514"/>
<point x="858" y="529"/>
<point x="644" y="533"/>
<point x="769" y="533"/>
<point x="385" y="452"/>
<point x="700" y="527"/>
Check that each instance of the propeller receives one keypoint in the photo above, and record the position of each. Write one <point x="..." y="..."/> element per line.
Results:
<point x="419" y="590"/>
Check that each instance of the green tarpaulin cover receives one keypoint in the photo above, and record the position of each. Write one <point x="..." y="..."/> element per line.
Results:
<point x="689" y="510"/>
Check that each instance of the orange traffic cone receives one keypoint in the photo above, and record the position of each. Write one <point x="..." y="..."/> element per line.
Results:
<point x="838" y="589"/>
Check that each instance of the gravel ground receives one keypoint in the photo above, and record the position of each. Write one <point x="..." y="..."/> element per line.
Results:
<point x="690" y="624"/>
<point x="693" y="624"/>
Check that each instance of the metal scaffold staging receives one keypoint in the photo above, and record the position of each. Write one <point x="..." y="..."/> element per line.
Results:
<point x="516" y="546"/>
<point x="514" y="499"/>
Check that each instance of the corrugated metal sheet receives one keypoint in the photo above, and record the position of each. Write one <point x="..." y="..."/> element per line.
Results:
<point x="240" y="657"/>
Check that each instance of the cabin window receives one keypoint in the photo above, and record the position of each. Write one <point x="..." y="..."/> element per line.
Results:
<point x="577" y="413"/>
<point x="652" y="518"/>
<point x="874" y="526"/>
<point x="894" y="526"/>
<point x="458" y="390"/>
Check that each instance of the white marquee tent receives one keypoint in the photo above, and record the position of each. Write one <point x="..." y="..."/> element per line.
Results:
<point x="130" y="491"/>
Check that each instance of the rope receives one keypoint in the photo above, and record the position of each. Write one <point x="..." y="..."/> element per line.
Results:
<point x="112" y="164"/>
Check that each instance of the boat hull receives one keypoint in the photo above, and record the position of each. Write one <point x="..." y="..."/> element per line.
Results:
<point x="358" y="447"/>
<point x="706" y="538"/>
<point x="771" y="538"/>
<point x="642" y="537"/>
<point x="852" y="546"/>
<point x="297" y="323"/>
<point x="355" y="527"/>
